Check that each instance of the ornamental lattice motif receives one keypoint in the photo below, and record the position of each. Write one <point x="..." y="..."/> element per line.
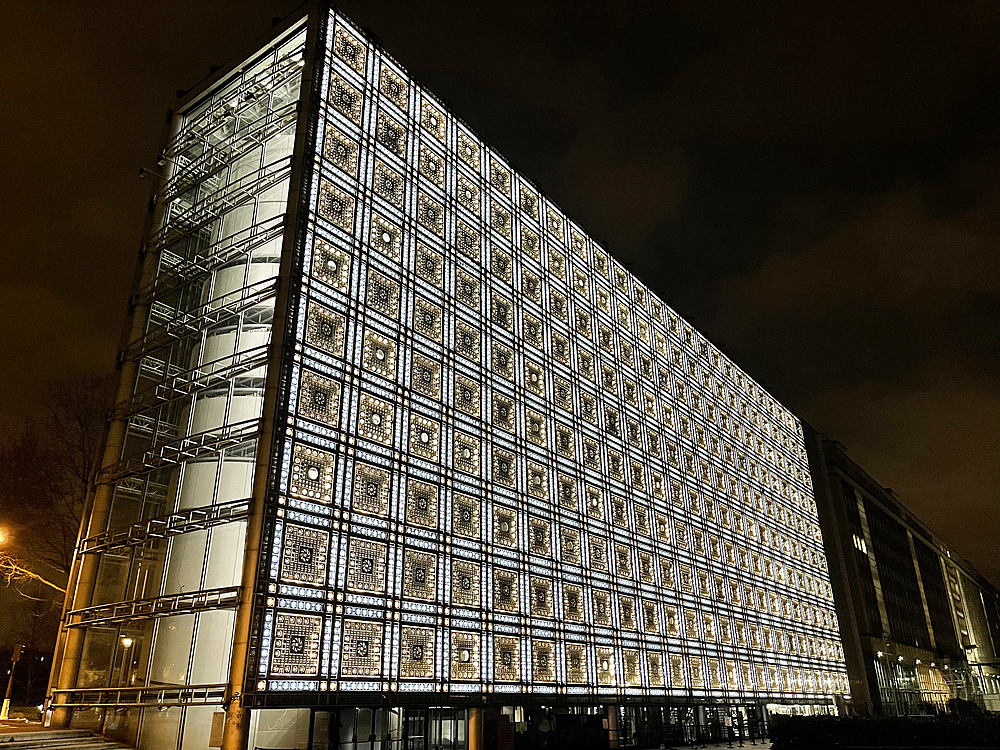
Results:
<point x="507" y="462"/>
<point x="296" y="646"/>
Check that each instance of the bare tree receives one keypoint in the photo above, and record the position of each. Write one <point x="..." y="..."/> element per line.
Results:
<point x="47" y="466"/>
<point x="46" y="469"/>
<point x="27" y="491"/>
<point x="75" y="415"/>
<point x="12" y="571"/>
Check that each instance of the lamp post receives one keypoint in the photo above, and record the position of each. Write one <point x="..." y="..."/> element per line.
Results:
<point x="125" y="666"/>
<point x="5" y="711"/>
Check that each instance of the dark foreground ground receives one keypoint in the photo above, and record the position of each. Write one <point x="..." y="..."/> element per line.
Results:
<point x="953" y="731"/>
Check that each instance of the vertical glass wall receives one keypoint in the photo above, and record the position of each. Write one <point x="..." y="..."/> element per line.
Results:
<point x="357" y="728"/>
<point x="163" y="608"/>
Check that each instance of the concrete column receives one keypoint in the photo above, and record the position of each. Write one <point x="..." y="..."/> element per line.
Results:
<point x="613" y="740"/>
<point x="476" y="729"/>
<point x="83" y="574"/>
<point x="236" y="729"/>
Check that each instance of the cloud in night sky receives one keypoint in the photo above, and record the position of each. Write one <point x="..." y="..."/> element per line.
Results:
<point x="813" y="185"/>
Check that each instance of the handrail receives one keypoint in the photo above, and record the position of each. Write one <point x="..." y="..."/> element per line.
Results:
<point x="211" y="206"/>
<point x="157" y="606"/>
<point x="143" y="695"/>
<point x="171" y="524"/>
<point x="185" y="448"/>
<point x="264" y="82"/>
<point x="210" y="258"/>
<point x="198" y="378"/>
<point x="216" y="156"/>
<point x="202" y="316"/>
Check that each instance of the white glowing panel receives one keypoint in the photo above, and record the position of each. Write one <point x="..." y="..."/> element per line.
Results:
<point x="543" y="478"/>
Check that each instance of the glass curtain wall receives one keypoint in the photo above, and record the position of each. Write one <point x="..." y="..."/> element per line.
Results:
<point x="163" y="607"/>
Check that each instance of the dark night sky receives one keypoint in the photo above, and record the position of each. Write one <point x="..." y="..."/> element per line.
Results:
<point x="813" y="184"/>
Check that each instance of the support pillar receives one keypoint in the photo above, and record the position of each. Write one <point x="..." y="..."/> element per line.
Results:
<point x="613" y="740"/>
<point x="236" y="727"/>
<point x="85" y="568"/>
<point x="476" y="729"/>
<point x="5" y="711"/>
<point x="65" y="670"/>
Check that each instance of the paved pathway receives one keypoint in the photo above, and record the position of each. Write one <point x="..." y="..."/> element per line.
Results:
<point x="33" y="736"/>
<point x="761" y="745"/>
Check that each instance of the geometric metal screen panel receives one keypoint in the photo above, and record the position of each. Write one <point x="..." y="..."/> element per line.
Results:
<point x="510" y="467"/>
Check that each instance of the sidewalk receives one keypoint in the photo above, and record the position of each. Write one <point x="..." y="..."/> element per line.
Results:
<point x="761" y="744"/>
<point x="16" y="726"/>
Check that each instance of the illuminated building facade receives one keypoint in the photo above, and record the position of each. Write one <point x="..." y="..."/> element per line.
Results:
<point x="920" y="626"/>
<point x="395" y="432"/>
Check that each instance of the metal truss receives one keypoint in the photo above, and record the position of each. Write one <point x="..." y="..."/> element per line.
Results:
<point x="183" y="449"/>
<point x="155" y="368"/>
<point x="145" y="695"/>
<point x="217" y="372"/>
<point x="175" y="271"/>
<point x="137" y="487"/>
<point x="217" y="156"/>
<point x="204" y="316"/>
<point x="213" y="205"/>
<point x="244" y="96"/>
<point x="156" y="430"/>
<point x="157" y="606"/>
<point x="162" y="527"/>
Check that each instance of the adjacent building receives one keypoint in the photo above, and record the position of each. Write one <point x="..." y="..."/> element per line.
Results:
<point x="401" y="453"/>
<point x="920" y="626"/>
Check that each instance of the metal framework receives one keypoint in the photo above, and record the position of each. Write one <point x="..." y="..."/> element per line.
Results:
<point x="182" y="449"/>
<point x="219" y="112"/>
<point x="177" y="270"/>
<point x="219" y="155"/>
<point x="178" y="522"/>
<point x="213" y="205"/>
<point x="167" y="527"/>
<point x="147" y="695"/>
<point x="157" y="606"/>
<point x="182" y="385"/>
<point x="176" y="324"/>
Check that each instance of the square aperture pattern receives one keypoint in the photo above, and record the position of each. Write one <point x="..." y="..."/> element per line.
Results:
<point x="296" y="646"/>
<point x="304" y="556"/>
<point x="507" y="462"/>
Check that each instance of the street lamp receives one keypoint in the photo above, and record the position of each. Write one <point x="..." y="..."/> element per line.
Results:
<point x="125" y="662"/>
